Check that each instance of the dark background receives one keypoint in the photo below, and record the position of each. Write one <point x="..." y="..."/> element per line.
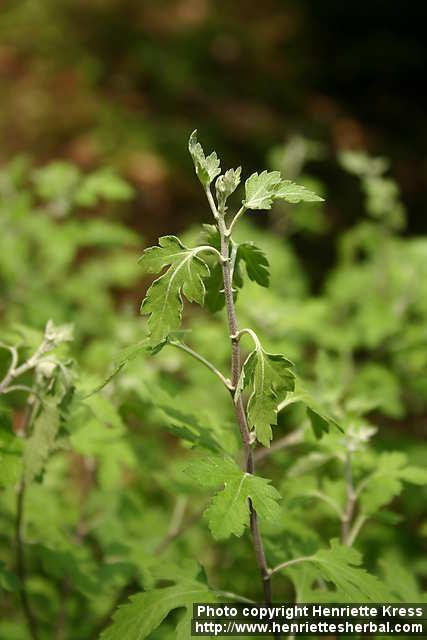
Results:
<point x="123" y="82"/>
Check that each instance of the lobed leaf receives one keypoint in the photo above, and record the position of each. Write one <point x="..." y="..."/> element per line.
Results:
<point x="207" y="168"/>
<point x="295" y="193"/>
<point x="341" y="566"/>
<point x="386" y="481"/>
<point x="146" y="611"/>
<point x="212" y="471"/>
<point x="270" y="377"/>
<point x="256" y="262"/>
<point x="163" y="301"/>
<point x="260" y="189"/>
<point x="228" y="512"/>
<point x="226" y="185"/>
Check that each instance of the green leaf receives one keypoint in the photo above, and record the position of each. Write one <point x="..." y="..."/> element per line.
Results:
<point x="341" y="566"/>
<point x="320" y="420"/>
<point x="41" y="441"/>
<point x="207" y="168"/>
<point x="163" y="301"/>
<point x="226" y="185"/>
<point x="228" y="512"/>
<point x="214" y="284"/>
<point x="295" y="193"/>
<point x="212" y="471"/>
<point x="146" y="611"/>
<point x="260" y="189"/>
<point x="257" y="266"/>
<point x="186" y="426"/>
<point x="399" y="577"/>
<point x="270" y="377"/>
<point x="386" y="481"/>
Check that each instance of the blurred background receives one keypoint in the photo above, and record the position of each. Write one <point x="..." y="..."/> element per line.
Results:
<point x="123" y="82"/>
<point x="97" y="101"/>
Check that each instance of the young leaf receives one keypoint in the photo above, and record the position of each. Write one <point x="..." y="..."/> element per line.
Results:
<point x="260" y="189"/>
<point x="295" y="193"/>
<point x="270" y="377"/>
<point x="226" y="185"/>
<point x="207" y="168"/>
<point x="163" y="301"/>
<point x="146" y="611"/>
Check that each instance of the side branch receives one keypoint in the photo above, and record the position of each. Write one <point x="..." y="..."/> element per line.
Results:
<point x="197" y="356"/>
<point x="288" y="563"/>
<point x="289" y="440"/>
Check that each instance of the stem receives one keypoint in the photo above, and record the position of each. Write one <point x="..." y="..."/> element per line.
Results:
<point x="14" y="361"/>
<point x="208" y="248"/>
<point x="350" y="503"/>
<point x="289" y="440"/>
<point x="234" y="596"/>
<point x="200" y="358"/>
<point x="288" y="563"/>
<point x="239" y="408"/>
<point x="252" y="334"/>
<point x="14" y="371"/>
<point x="238" y="215"/>
<point x="212" y="203"/>
<point x="355" y="530"/>
<point x="176" y="525"/>
<point x="327" y="500"/>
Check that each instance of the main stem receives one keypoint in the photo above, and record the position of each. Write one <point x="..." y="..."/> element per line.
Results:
<point x="239" y="408"/>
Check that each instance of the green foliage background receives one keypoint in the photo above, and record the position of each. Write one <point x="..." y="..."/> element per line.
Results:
<point x="98" y="100"/>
